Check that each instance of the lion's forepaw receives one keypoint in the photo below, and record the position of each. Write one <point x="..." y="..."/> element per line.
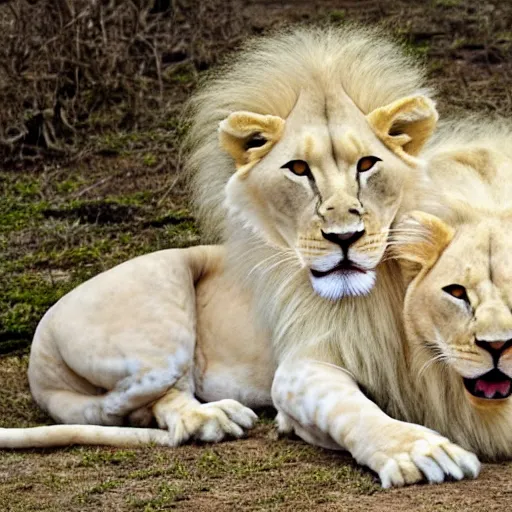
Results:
<point x="422" y="454"/>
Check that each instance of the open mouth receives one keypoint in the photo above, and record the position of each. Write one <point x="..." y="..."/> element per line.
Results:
<point x="343" y="267"/>
<point x="493" y="385"/>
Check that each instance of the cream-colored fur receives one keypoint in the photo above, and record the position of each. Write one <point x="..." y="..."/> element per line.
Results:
<point x="122" y="344"/>
<point x="142" y="341"/>
<point x="471" y="247"/>
<point x="329" y="101"/>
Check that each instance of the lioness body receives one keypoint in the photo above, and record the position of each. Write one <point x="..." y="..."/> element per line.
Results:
<point x="116" y="346"/>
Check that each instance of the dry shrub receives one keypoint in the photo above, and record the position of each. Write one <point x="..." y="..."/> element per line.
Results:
<point x="70" y="67"/>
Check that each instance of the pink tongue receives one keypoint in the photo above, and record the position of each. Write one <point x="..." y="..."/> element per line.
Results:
<point x="489" y="389"/>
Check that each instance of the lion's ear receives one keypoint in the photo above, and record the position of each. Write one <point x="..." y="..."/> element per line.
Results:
<point x="248" y="137"/>
<point x="418" y="241"/>
<point x="405" y="125"/>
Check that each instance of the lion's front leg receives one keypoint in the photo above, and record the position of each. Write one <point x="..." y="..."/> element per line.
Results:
<point x="324" y="405"/>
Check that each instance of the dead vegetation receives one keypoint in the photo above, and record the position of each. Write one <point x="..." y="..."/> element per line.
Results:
<point x="72" y="68"/>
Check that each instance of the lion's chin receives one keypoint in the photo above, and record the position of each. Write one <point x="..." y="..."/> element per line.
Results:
<point x="343" y="283"/>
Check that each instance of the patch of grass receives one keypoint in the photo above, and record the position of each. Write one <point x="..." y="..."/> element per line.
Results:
<point x="447" y="3"/>
<point x="167" y="495"/>
<point x="17" y="408"/>
<point x="418" y="49"/>
<point x="505" y="37"/>
<point x="100" y="457"/>
<point x="181" y="74"/>
<point x="337" y="15"/>
<point x="21" y="201"/>
<point x="111" y="209"/>
<point x="69" y="185"/>
<point x="458" y="43"/>
<point x="26" y="187"/>
<point x="182" y="235"/>
<point x="123" y="143"/>
<point x="150" y="160"/>
<point x="49" y="248"/>
<point x="101" y="488"/>
<point x="16" y="213"/>
<point x="56" y="482"/>
<point x="274" y="500"/>
<point x="340" y="476"/>
<point x="277" y="460"/>
<point x="211" y="463"/>
<point x="176" y="470"/>
<point x="25" y="298"/>
<point x="182" y="77"/>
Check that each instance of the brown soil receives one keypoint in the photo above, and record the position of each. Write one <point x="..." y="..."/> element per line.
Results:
<point x="116" y="204"/>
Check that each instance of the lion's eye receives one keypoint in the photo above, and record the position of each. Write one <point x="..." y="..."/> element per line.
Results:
<point x="298" y="167"/>
<point x="367" y="162"/>
<point x="456" y="290"/>
<point x="256" y="141"/>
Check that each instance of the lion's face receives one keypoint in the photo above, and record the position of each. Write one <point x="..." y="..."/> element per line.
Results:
<point x="327" y="182"/>
<point x="458" y="307"/>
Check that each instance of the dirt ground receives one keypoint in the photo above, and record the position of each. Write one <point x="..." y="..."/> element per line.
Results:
<point x="63" y="221"/>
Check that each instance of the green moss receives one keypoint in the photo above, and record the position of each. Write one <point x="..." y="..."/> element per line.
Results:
<point x="184" y="234"/>
<point x="24" y="300"/>
<point x="211" y="463"/>
<point x="101" y="488"/>
<point x="337" y="15"/>
<point x="458" y="43"/>
<point x="341" y="476"/>
<point x="17" y="214"/>
<point x="167" y="495"/>
<point x="123" y="143"/>
<point x="176" y="470"/>
<point x="150" y="160"/>
<point x="21" y="205"/>
<point x="27" y="188"/>
<point x="447" y="3"/>
<point x="69" y="185"/>
<point x="418" y="50"/>
<point x="56" y="482"/>
<point x="104" y="456"/>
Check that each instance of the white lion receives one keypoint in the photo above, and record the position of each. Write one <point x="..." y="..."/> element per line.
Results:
<point x="458" y="305"/>
<point x="319" y="134"/>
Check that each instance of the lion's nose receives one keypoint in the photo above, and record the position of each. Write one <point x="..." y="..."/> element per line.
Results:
<point x="495" y="348"/>
<point x="344" y="240"/>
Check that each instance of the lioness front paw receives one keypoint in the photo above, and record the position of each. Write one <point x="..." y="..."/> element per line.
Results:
<point x="416" y="453"/>
<point x="210" y="422"/>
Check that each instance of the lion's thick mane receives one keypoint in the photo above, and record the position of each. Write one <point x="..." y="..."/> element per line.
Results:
<point x="267" y="78"/>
